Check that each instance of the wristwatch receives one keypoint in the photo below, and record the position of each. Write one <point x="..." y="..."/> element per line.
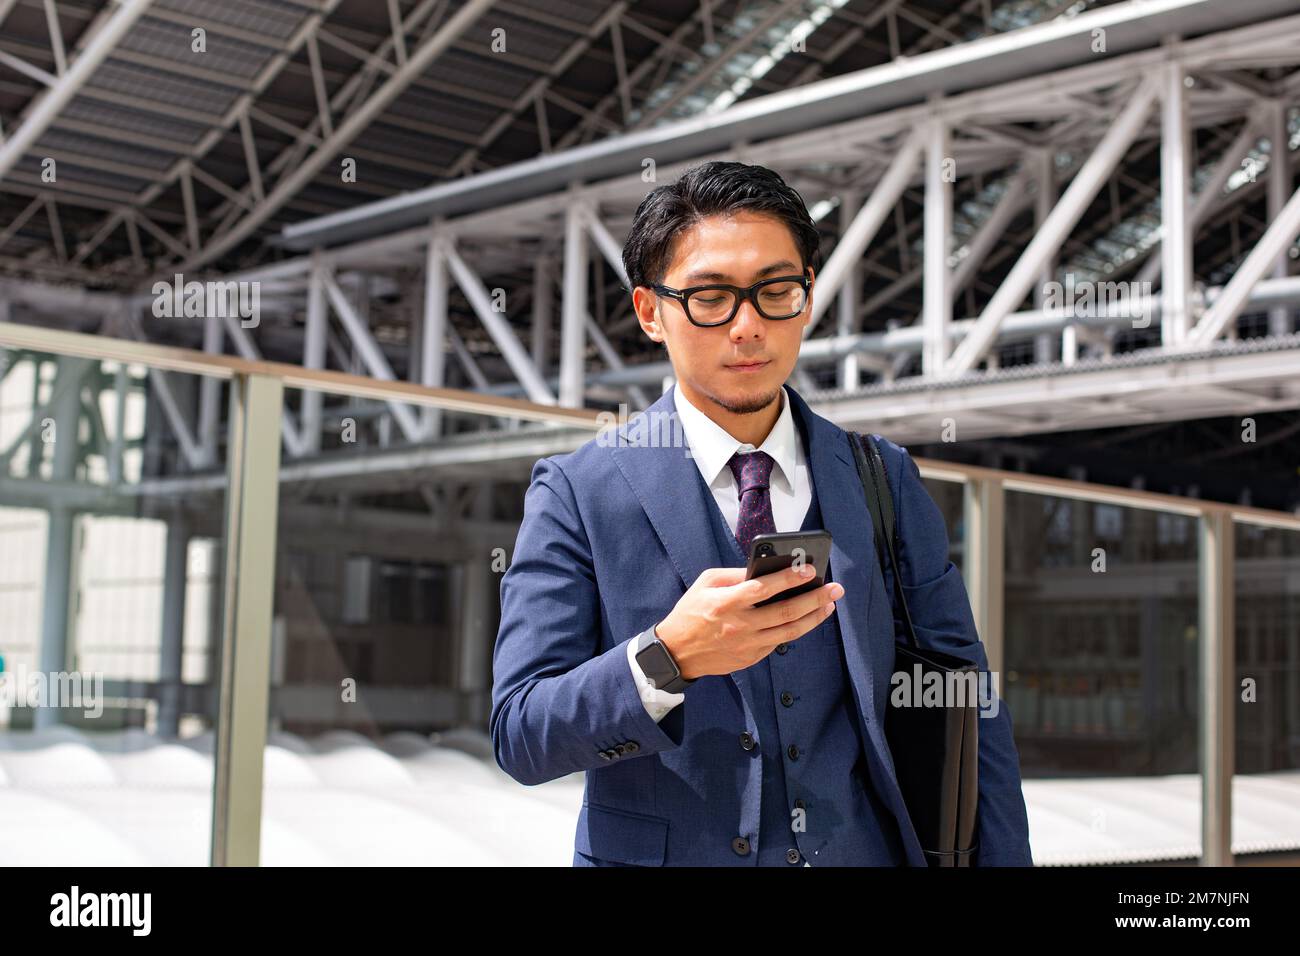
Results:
<point x="658" y="665"/>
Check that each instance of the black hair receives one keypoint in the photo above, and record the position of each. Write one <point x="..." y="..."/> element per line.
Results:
<point x="709" y="189"/>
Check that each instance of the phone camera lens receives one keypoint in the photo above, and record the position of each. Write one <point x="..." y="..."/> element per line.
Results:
<point x="765" y="550"/>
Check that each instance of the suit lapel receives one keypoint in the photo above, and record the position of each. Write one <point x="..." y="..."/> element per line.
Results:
<point x="655" y="459"/>
<point x="844" y="515"/>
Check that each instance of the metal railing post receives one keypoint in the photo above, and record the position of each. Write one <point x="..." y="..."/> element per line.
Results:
<point x="252" y="502"/>
<point x="983" y="568"/>
<point x="1217" y="679"/>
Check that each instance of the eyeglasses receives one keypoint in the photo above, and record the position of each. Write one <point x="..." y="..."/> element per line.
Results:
<point x="706" y="306"/>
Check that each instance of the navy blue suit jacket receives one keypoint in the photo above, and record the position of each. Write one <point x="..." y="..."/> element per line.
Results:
<point x="613" y="534"/>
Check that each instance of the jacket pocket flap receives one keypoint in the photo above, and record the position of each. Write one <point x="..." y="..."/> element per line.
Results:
<point x="621" y="836"/>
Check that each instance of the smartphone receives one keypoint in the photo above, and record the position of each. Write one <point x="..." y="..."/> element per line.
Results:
<point x="775" y="552"/>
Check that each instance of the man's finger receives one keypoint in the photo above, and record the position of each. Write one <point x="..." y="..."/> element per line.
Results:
<point x="766" y="585"/>
<point x="782" y="612"/>
<point x="722" y="577"/>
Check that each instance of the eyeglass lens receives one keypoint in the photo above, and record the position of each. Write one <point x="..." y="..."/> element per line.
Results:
<point x="779" y="300"/>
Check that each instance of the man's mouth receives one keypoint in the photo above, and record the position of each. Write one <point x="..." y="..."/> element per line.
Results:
<point x="747" y="366"/>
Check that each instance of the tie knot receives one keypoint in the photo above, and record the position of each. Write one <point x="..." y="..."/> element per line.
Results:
<point x="752" y="470"/>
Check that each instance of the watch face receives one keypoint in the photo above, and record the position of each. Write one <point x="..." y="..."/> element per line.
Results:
<point x="657" y="664"/>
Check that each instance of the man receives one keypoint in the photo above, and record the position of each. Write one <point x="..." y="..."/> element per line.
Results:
<point x="714" y="732"/>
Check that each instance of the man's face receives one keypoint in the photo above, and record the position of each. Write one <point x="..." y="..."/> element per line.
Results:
<point x="737" y="250"/>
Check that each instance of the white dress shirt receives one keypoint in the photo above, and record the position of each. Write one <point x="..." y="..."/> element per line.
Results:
<point x="790" y="490"/>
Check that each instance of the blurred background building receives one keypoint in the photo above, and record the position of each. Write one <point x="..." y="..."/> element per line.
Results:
<point x="293" y="293"/>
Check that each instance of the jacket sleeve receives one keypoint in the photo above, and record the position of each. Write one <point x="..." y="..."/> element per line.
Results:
<point x="560" y="704"/>
<point x="942" y="616"/>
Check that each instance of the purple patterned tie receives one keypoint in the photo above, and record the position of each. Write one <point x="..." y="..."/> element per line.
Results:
<point x="752" y="472"/>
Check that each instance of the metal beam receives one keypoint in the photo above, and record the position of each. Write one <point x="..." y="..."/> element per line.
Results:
<point x="612" y="252"/>
<point x="1042" y="162"/>
<point x="210" y="393"/>
<point x="172" y="627"/>
<point x="245" y="346"/>
<point x="1018" y="327"/>
<point x="108" y="349"/>
<point x="573" y="308"/>
<point x="370" y="353"/>
<point x="318" y="84"/>
<point x="1065" y="215"/>
<point x="20" y="65"/>
<point x="937" y="288"/>
<point x="665" y="47"/>
<point x="543" y="303"/>
<point x="313" y="356"/>
<point x="1282" y="231"/>
<point x="609" y="247"/>
<point x="855" y="239"/>
<point x="1211" y="193"/>
<point x="433" y="357"/>
<point x="238" y="112"/>
<point x="185" y="438"/>
<point x="831" y="143"/>
<point x="539" y="88"/>
<point x="176" y="419"/>
<point x="1175" y="225"/>
<point x="612" y="359"/>
<point x="56" y="38"/>
<point x="969" y="66"/>
<point x="848" y="374"/>
<point x="756" y="33"/>
<point x="45" y="110"/>
<point x="467" y="362"/>
<point x="418" y="61"/>
<point x="250" y="157"/>
<point x="1279" y="188"/>
<point x="191" y="212"/>
<point x="399" y="33"/>
<point x="503" y="335"/>
<point x="1014" y="198"/>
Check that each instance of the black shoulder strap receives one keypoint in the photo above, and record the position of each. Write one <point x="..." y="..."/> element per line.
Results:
<point x="880" y="503"/>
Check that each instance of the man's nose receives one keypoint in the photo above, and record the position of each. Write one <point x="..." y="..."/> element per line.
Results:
<point x="748" y="323"/>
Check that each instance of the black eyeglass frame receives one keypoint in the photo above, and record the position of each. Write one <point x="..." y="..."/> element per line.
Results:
<point x="683" y="295"/>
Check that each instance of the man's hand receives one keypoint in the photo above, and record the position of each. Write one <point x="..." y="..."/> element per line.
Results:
<point x="715" y="628"/>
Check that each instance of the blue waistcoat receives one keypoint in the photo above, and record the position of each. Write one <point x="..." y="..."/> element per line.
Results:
<point x="808" y="742"/>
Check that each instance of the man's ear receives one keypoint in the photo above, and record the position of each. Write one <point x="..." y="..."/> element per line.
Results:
<point x="650" y="318"/>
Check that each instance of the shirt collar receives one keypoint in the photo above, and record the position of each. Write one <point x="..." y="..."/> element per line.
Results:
<point x="712" y="446"/>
